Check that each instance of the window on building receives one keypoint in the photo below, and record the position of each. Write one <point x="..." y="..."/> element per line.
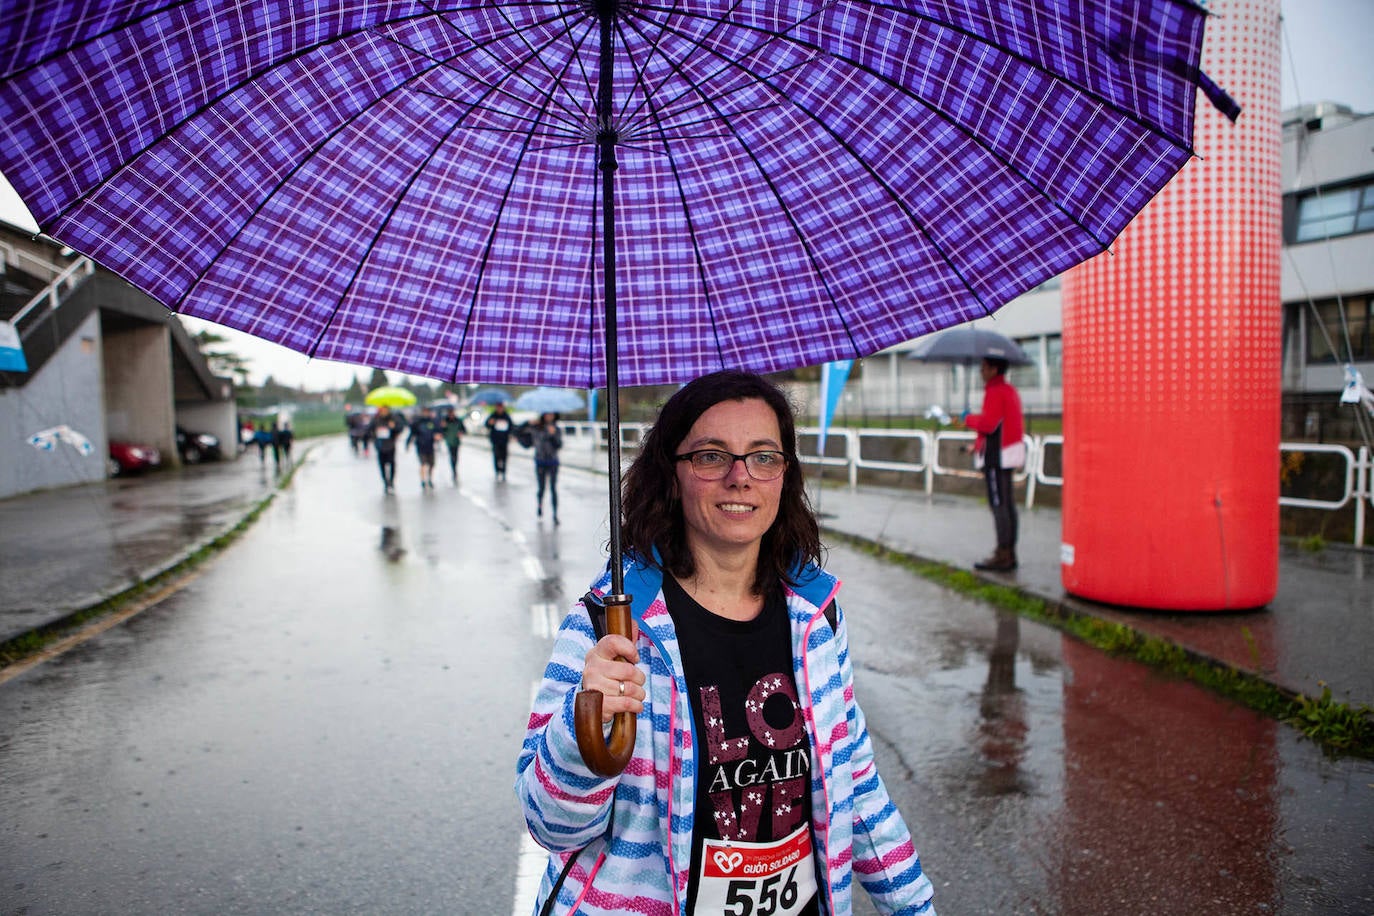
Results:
<point x="1335" y="212"/>
<point x="1330" y="322"/>
<point x="1025" y="377"/>
<point x="1054" y="350"/>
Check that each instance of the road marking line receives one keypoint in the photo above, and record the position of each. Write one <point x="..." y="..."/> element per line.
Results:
<point x="529" y="871"/>
<point x="531" y="860"/>
<point x="544" y="619"/>
<point x="533" y="568"/>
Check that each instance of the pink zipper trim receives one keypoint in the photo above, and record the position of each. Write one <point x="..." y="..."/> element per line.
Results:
<point x="811" y="718"/>
<point x="672" y="720"/>
<point x="591" y="876"/>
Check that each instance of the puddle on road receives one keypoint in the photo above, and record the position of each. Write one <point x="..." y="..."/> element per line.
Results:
<point x="1041" y="775"/>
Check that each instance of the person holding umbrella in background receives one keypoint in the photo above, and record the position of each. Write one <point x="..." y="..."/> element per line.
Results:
<point x="999" y="451"/>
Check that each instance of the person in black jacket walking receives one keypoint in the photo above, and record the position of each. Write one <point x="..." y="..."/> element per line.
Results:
<point x="499" y="426"/>
<point x="424" y="435"/>
<point x="386" y="429"/>
<point x="547" y="440"/>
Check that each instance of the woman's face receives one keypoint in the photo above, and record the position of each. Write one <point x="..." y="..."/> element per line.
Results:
<point x="737" y="510"/>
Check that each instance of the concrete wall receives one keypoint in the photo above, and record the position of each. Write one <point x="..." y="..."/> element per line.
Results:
<point x="138" y="388"/>
<point x="66" y="390"/>
<point x="218" y="418"/>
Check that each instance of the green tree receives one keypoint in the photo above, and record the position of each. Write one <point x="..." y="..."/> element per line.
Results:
<point x="378" y="380"/>
<point x="355" y="392"/>
<point x="222" y="361"/>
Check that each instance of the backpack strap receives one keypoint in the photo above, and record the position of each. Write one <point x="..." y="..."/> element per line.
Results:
<point x="597" y="612"/>
<point x="832" y="616"/>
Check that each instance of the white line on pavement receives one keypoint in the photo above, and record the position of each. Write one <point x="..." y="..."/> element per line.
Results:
<point x="529" y="863"/>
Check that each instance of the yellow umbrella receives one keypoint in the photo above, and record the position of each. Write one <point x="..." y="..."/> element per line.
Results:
<point x="389" y="396"/>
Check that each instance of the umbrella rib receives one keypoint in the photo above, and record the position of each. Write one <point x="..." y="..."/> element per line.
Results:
<point x="553" y="132"/>
<point x="574" y="107"/>
<point x="211" y="103"/>
<point x="594" y="339"/>
<point x="628" y="114"/>
<point x="154" y="13"/>
<point x="279" y="185"/>
<point x="691" y="227"/>
<point x="1103" y="244"/>
<point x="382" y="227"/>
<point x="491" y="240"/>
<point x="705" y="100"/>
<point x="573" y="114"/>
<point x="1056" y="77"/>
<point x="716" y="23"/>
<point x="787" y="211"/>
<point x="872" y="172"/>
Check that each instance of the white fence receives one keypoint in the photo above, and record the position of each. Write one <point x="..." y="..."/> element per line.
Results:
<point x="1358" y="485"/>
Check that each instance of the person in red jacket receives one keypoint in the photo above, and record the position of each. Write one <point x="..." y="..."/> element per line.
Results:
<point x="999" y="451"/>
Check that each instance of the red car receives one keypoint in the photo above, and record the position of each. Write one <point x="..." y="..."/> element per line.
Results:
<point x="132" y="458"/>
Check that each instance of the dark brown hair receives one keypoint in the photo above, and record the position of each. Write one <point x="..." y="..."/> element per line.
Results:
<point x="652" y="507"/>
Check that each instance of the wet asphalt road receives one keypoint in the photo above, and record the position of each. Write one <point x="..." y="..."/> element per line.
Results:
<point x="312" y="727"/>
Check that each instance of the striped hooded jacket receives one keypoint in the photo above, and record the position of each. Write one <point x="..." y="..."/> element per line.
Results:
<point x="644" y="866"/>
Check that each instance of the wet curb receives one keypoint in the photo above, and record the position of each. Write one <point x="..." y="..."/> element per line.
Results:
<point x="1061" y="612"/>
<point x="105" y="601"/>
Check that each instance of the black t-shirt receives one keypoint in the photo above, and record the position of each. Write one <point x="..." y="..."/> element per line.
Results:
<point x="753" y="751"/>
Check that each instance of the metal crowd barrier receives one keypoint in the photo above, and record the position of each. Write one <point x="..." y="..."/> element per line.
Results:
<point x="1358" y="477"/>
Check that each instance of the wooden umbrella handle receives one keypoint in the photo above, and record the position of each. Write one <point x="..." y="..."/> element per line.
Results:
<point x="606" y="758"/>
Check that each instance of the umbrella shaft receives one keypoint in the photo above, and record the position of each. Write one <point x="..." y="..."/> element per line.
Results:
<point x="606" y="138"/>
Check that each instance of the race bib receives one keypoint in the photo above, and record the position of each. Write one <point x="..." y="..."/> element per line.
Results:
<point x="501" y="425"/>
<point x="757" y="879"/>
<point x="384" y="432"/>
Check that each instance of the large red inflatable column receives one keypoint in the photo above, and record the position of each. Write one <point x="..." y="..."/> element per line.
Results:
<point x="1172" y="363"/>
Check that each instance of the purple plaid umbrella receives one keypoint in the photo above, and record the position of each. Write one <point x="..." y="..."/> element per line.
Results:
<point x="413" y="184"/>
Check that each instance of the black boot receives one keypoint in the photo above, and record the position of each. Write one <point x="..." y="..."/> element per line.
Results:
<point x="1003" y="559"/>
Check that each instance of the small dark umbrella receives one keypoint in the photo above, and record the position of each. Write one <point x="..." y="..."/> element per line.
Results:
<point x="968" y="346"/>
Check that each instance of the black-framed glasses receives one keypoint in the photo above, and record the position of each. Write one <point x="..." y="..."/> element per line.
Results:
<point x="714" y="464"/>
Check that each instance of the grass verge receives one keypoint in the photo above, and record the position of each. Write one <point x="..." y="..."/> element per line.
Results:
<point x="1337" y="727"/>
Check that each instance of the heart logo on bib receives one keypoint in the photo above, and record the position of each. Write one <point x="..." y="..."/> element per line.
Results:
<point x="728" y="862"/>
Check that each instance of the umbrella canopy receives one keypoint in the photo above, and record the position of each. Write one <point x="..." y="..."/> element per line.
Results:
<point x="389" y="396"/>
<point x="550" y="400"/>
<point x="488" y="397"/>
<point x="412" y="185"/>
<point x="968" y="345"/>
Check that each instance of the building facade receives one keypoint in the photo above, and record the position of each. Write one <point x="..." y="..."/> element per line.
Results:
<point x="1327" y="292"/>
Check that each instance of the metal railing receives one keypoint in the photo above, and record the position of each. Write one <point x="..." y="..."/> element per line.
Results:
<point x="51" y="295"/>
<point x="1357" y="487"/>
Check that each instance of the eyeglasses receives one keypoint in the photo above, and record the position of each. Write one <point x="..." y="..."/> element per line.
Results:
<point x="714" y="464"/>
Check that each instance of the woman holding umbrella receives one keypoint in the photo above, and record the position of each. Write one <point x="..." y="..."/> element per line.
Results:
<point x="752" y="785"/>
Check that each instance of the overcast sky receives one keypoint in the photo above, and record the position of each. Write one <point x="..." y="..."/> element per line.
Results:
<point x="1327" y="56"/>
